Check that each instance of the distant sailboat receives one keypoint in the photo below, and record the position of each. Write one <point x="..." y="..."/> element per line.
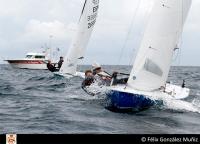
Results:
<point x="152" y="64"/>
<point x="78" y="46"/>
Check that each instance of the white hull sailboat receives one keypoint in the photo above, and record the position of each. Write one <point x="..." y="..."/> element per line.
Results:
<point x="78" y="46"/>
<point x="150" y="71"/>
<point x="67" y="75"/>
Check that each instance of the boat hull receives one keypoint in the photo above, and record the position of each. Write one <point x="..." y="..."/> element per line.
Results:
<point x="68" y="76"/>
<point x="118" y="100"/>
<point x="28" y="64"/>
<point x="124" y="98"/>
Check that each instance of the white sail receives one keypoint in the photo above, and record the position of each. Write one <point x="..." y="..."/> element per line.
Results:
<point x="79" y="43"/>
<point x="152" y="64"/>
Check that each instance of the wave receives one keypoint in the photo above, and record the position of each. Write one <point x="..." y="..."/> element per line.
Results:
<point x="46" y="87"/>
<point x="166" y="102"/>
<point x="7" y="87"/>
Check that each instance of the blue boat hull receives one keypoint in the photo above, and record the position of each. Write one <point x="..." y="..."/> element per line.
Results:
<point x="122" y="101"/>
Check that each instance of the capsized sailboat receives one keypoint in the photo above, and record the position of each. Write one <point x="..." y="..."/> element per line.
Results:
<point x="78" y="46"/>
<point x="148" y="78"/>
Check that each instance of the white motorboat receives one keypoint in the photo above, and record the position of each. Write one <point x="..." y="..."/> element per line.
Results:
<point x="35" y="61"/>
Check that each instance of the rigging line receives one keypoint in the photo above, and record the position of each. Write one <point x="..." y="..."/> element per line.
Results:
<point x="181" y="36"/>
<point x="83" y="9"/>
<point x="129" y="32"/>
<point x="180" y="42"/>
<point x="146" y="15"/>
<point x="181" y="39"/>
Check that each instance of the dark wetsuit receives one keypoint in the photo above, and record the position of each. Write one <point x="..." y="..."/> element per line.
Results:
<point x="118" y="81"/>
<point x="51" y="68"/>
<point x="60" y="64"/>
<point x="87" y="82"/>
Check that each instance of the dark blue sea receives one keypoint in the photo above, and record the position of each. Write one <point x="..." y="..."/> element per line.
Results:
<point x="37" y="102"/>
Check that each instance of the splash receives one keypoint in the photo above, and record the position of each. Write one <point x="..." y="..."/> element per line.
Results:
<point x="181" y="105"/>
<point x="98" y="87"/>
<point x="177" y="105"/>
<point x="93" y="92"/>
<point x="196" y="102"/>
<point x="95" y="89"/>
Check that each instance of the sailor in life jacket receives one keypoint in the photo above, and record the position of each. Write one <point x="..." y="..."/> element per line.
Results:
<point x="60" y="62"/>
<point x="89" y="79"/>
<point x="101" y="76"/>
<point x="51" y="67"/>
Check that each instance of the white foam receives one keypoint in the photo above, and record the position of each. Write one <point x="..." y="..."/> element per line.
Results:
<point x="179" y="105"/>
<point x="196" y="102"/>
<point x="96" y="89"/>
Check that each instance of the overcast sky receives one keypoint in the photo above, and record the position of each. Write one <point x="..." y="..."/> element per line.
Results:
<point x="25" y="26"/>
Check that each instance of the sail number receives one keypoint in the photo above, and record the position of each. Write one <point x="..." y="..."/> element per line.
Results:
<point x="92" y="17"/>
<point x="95" y="9"/>
<point x="95" y="1"/>
<point x="91" y="24"/>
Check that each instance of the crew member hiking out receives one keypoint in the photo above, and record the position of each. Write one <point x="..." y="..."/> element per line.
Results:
<point x="102" y="78"/>
<point x="60" y="62"/>
<point x="89" y="79"/>
<point x="51" y="67"/>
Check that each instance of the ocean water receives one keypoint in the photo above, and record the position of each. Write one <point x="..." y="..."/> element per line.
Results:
<point x="37" y="102"/>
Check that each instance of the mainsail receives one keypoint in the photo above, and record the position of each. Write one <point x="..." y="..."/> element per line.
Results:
<point x="79" y="43"/>
<point x="152" y="64"/>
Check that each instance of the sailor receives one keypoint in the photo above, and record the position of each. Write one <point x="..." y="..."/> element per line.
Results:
<point x="183" y="84"/>
<point x="101" y="76"/>
<point x="60" y="62"/>
<point x="89" y="79"/>
<point x="116" y="81"/>
<point x="51" y="67"/>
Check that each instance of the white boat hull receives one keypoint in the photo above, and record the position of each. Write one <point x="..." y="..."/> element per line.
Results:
<point x="121" y="97"/>
<point x="68" y="76"/>
<point x="28" y="64"/>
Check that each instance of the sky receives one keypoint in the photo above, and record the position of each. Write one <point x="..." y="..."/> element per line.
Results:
<point x="26" y="26"/>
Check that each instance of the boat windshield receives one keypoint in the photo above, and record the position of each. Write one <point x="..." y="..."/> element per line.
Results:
<point x="39" y="57"/>
<point x="29" y="56"/>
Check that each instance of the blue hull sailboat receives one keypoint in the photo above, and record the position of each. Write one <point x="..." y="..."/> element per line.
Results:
<point x="148" y="79"/>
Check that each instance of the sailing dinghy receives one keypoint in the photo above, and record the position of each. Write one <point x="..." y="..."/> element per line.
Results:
<point x="78" y="46"/>
<point x="152" y="64"/>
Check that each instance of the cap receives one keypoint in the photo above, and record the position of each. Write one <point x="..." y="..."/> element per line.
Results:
<point x="96" y="65"/>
